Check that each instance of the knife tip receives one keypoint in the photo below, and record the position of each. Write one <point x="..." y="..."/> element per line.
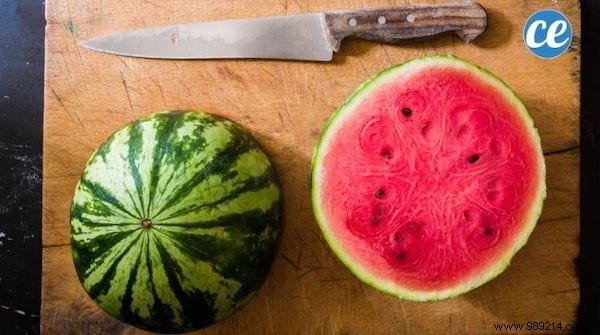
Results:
<point x="87" y="44"/>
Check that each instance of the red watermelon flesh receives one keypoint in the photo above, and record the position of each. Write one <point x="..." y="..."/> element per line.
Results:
<point x="429" y="179"/>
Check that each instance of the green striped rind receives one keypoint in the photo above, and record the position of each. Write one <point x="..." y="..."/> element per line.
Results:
<point x="345" y="112"/>
<point x="214" y="201"/>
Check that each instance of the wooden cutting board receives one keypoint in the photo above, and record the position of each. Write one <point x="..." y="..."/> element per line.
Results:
<point x="285" y="105"/>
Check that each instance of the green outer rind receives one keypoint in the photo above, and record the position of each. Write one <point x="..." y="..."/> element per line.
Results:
<point x="276" y="208"/>
<point x="345" y="111"/>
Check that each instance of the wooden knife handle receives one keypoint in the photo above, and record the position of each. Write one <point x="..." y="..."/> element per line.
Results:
<point x="406" y="23"/>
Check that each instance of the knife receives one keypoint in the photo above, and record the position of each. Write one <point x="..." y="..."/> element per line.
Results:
<point x="313" y="37"/>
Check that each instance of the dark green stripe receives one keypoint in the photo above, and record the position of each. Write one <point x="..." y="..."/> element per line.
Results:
<point x="251" y="184"/>
<point x="220" y="163"/>
<point x="102" y="286"/>
<point x="244" y="257"/>
<point x="93" y="224"/>
<point x="111" y="224"/>
<point x="104" y="195"/>
<point x="165" y="185"/>
<point x="103" y="150"/>
<point x="138" y="211"/>
<point x="161" y="313"/>
<point x="208" y="249"/>
<point x="94" y="209"/>
<point x="89" y="255"/>
<point x="91" y="208"/>
<point x="135" y="147"/>
<point x="126" y="312"/>
<point x="253" y="220"/>
<point x="165" y="124"/>
<point x="197" y="306"/>
<point x="102" y="243"/>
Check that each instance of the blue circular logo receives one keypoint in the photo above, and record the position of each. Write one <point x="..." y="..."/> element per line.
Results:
<point x="547" y="33"/>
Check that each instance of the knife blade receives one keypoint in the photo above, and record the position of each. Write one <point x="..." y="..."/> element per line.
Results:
<point x="313" y="37"/>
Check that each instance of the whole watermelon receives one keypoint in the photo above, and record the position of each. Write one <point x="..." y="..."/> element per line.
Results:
<point x="175" y="221"/>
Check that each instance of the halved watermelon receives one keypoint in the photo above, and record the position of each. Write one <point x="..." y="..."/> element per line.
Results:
<point x="429" y="179"/>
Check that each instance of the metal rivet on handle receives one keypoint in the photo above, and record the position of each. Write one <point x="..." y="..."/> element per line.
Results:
<point x="381" y="20"/>
<point x="410" y="18"/>
<point x="352" y="22"/>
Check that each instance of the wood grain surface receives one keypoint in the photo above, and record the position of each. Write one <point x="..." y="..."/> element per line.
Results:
<point x="285" y="104"/>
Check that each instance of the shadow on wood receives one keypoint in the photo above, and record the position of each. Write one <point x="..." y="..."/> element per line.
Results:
<point x="499" y="30"/>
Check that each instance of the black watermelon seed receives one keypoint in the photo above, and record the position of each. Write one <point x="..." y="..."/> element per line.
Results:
<point x="387" y="153"/>
<point x="487" y="231"/>
<point x="473" y="158"/>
